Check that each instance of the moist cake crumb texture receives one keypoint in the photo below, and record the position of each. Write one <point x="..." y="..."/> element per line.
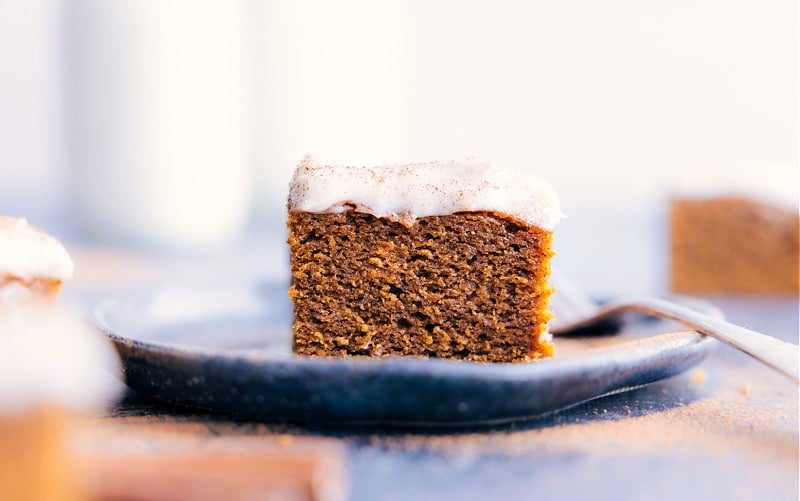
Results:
<point x="469" y="286"/>
<point x="442" y="259"/>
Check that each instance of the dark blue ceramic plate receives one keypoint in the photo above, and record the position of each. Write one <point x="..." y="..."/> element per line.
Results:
<point x="227" y="348"/>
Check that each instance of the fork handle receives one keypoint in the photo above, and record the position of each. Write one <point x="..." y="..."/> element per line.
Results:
<point x="782" y="356"/>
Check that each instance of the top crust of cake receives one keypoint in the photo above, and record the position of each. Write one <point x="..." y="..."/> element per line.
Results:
<point x="28" y="253"/>
<point x="404" y="193"/>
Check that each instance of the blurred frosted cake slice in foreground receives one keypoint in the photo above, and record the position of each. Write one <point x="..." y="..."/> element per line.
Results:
<point x="50" y="366"/>
<point x="439" y="259"/>
<point x="52" y="370"/>
<point x="737" y="236"/>
<point x="33" y="265"/>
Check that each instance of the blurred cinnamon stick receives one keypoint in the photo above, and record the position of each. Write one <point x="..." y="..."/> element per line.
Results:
<point x="207" y="475"/>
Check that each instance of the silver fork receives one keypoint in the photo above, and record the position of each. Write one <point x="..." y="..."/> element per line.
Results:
<point x="574" y="310"/>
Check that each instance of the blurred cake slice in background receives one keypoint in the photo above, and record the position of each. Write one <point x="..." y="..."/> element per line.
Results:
<point x="33" y="265"/>
<point x="736" y="236"/>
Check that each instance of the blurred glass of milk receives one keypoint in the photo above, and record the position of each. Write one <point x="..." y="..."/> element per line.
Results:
<point x="331" y="79"/>
<point x="159" y="130"/>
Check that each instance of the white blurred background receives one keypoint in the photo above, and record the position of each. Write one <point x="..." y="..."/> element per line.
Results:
<point x="177" y="123"/>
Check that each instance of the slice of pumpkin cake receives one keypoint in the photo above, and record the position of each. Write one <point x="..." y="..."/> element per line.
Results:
<point x="440" y="259"/>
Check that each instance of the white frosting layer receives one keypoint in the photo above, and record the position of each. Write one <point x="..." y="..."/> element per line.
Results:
<point x="28" y="252"/>
<point x="406" y="192"/>
<point x="49" y="356"/>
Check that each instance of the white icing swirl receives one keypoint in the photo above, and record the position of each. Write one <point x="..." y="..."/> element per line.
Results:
<point x="27" y="252"/>
<point x="407" y="192"/>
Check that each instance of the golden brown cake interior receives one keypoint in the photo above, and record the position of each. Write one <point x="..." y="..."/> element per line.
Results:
<point x="468" y="286"/>
<point x="734" y="245"/>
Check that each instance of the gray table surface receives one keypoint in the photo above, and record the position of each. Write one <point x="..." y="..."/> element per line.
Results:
<point x="725" y="430"/>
